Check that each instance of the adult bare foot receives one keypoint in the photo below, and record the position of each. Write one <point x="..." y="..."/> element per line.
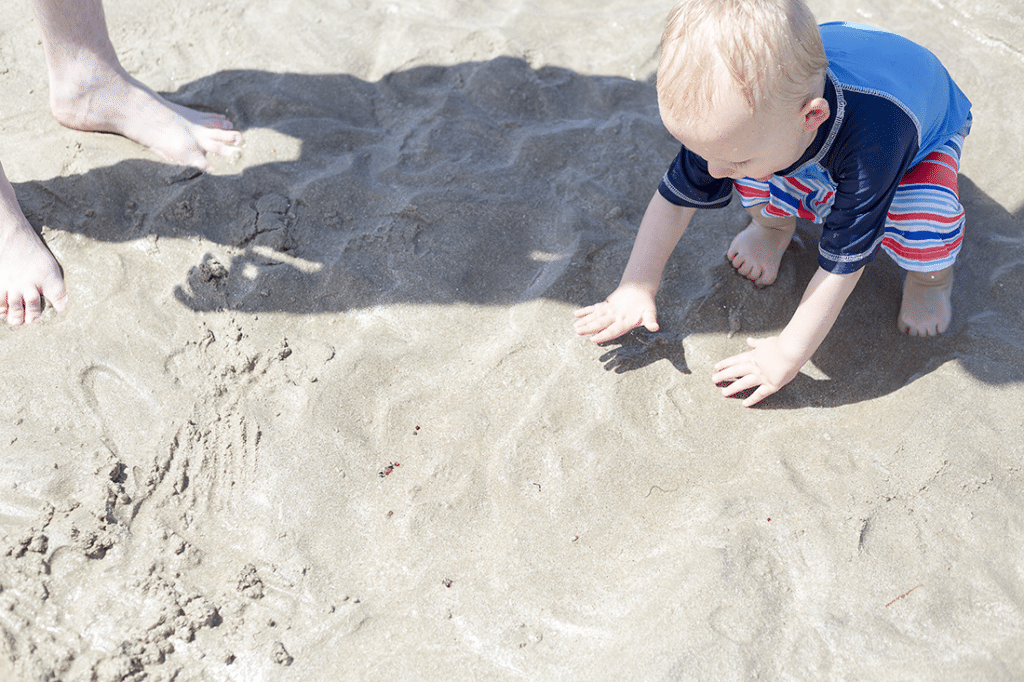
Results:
<point x="90" y="90"/>
<point x="28" y="271"/>
<point x="927" y="308"/>
<point x="756" y="252"/>
<point x="118" y="103"/>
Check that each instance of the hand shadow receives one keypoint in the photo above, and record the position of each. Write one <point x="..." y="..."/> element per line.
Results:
<point x="640" y="348"/>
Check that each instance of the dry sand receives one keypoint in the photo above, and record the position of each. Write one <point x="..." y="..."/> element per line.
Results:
<point x="320" y="414"/>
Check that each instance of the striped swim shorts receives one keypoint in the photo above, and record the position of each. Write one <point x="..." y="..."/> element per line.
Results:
<point x="924" y="229"/>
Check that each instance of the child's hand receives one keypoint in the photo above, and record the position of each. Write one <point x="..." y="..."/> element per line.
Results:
<point x="627" y="308"/>
<point x="767" y="366"/>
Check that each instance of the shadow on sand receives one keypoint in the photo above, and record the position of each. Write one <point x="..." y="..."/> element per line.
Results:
<point x="493" y="183"/>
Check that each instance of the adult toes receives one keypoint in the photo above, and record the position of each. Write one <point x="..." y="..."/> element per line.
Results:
<point x="15" y="310"/>
<point x="222" y="135"/>
<point x="33" y="305"/>
<point x="220" y="142"/>
<point x="214" y="121"/>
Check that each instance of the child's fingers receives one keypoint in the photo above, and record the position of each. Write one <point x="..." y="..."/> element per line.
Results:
<point x="589" y="325"/>
<point x="603" y="335"/>
<point x="740" y="385"/>
<point x="762" y="392"/>
<point x="731" y="373"/>
<point x="612" y="331"/>
<point x="598" y="333"/>
<point x="731" y="365"/>
<point x="650" y="321"/>
<point x="583" y="312"/>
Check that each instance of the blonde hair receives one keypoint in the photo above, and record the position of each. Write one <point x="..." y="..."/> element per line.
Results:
<point x="770" y="48"/>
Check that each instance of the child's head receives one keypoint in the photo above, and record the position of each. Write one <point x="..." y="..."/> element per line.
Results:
<point x="743" y="78"/>
<point x="770" y="50"/>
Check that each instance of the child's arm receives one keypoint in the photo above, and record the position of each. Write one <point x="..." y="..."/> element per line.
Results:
<point x="632" y="303"/>
<point x="774" y="361"/>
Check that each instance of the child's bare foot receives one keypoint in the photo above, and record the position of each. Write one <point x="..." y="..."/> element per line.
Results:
<point x="926" y="309"/>
<point x="96" y="96"/>
<point x="756" y="252"/>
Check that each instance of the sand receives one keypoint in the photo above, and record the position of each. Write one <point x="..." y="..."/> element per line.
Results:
<point x="320" y="414"/>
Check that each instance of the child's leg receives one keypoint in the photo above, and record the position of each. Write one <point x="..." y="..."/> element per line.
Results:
<point x="926" y="309"/>
<point x="756" y="252"/>
<point x="924" y="232"/>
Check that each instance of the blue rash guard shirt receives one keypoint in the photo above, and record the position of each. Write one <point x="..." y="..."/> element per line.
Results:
<point x="891" y="103"/>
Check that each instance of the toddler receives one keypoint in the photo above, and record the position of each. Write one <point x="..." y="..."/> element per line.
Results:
<point x="842" y="124"/>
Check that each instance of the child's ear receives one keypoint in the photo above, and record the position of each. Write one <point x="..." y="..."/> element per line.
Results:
<point x="814" y="113"/>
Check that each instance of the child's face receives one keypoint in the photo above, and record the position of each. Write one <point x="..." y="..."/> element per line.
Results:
<point x="738" y="143"/>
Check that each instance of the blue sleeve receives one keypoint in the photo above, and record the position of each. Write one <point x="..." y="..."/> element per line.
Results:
<point x="868" y="163"/>
<point x="688" y="183"/>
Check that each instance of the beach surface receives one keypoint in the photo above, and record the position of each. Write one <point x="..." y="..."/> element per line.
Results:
<point x="319" y="414"/>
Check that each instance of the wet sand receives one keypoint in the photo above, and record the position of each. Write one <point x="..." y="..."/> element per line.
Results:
<point x="320" y="414"/>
